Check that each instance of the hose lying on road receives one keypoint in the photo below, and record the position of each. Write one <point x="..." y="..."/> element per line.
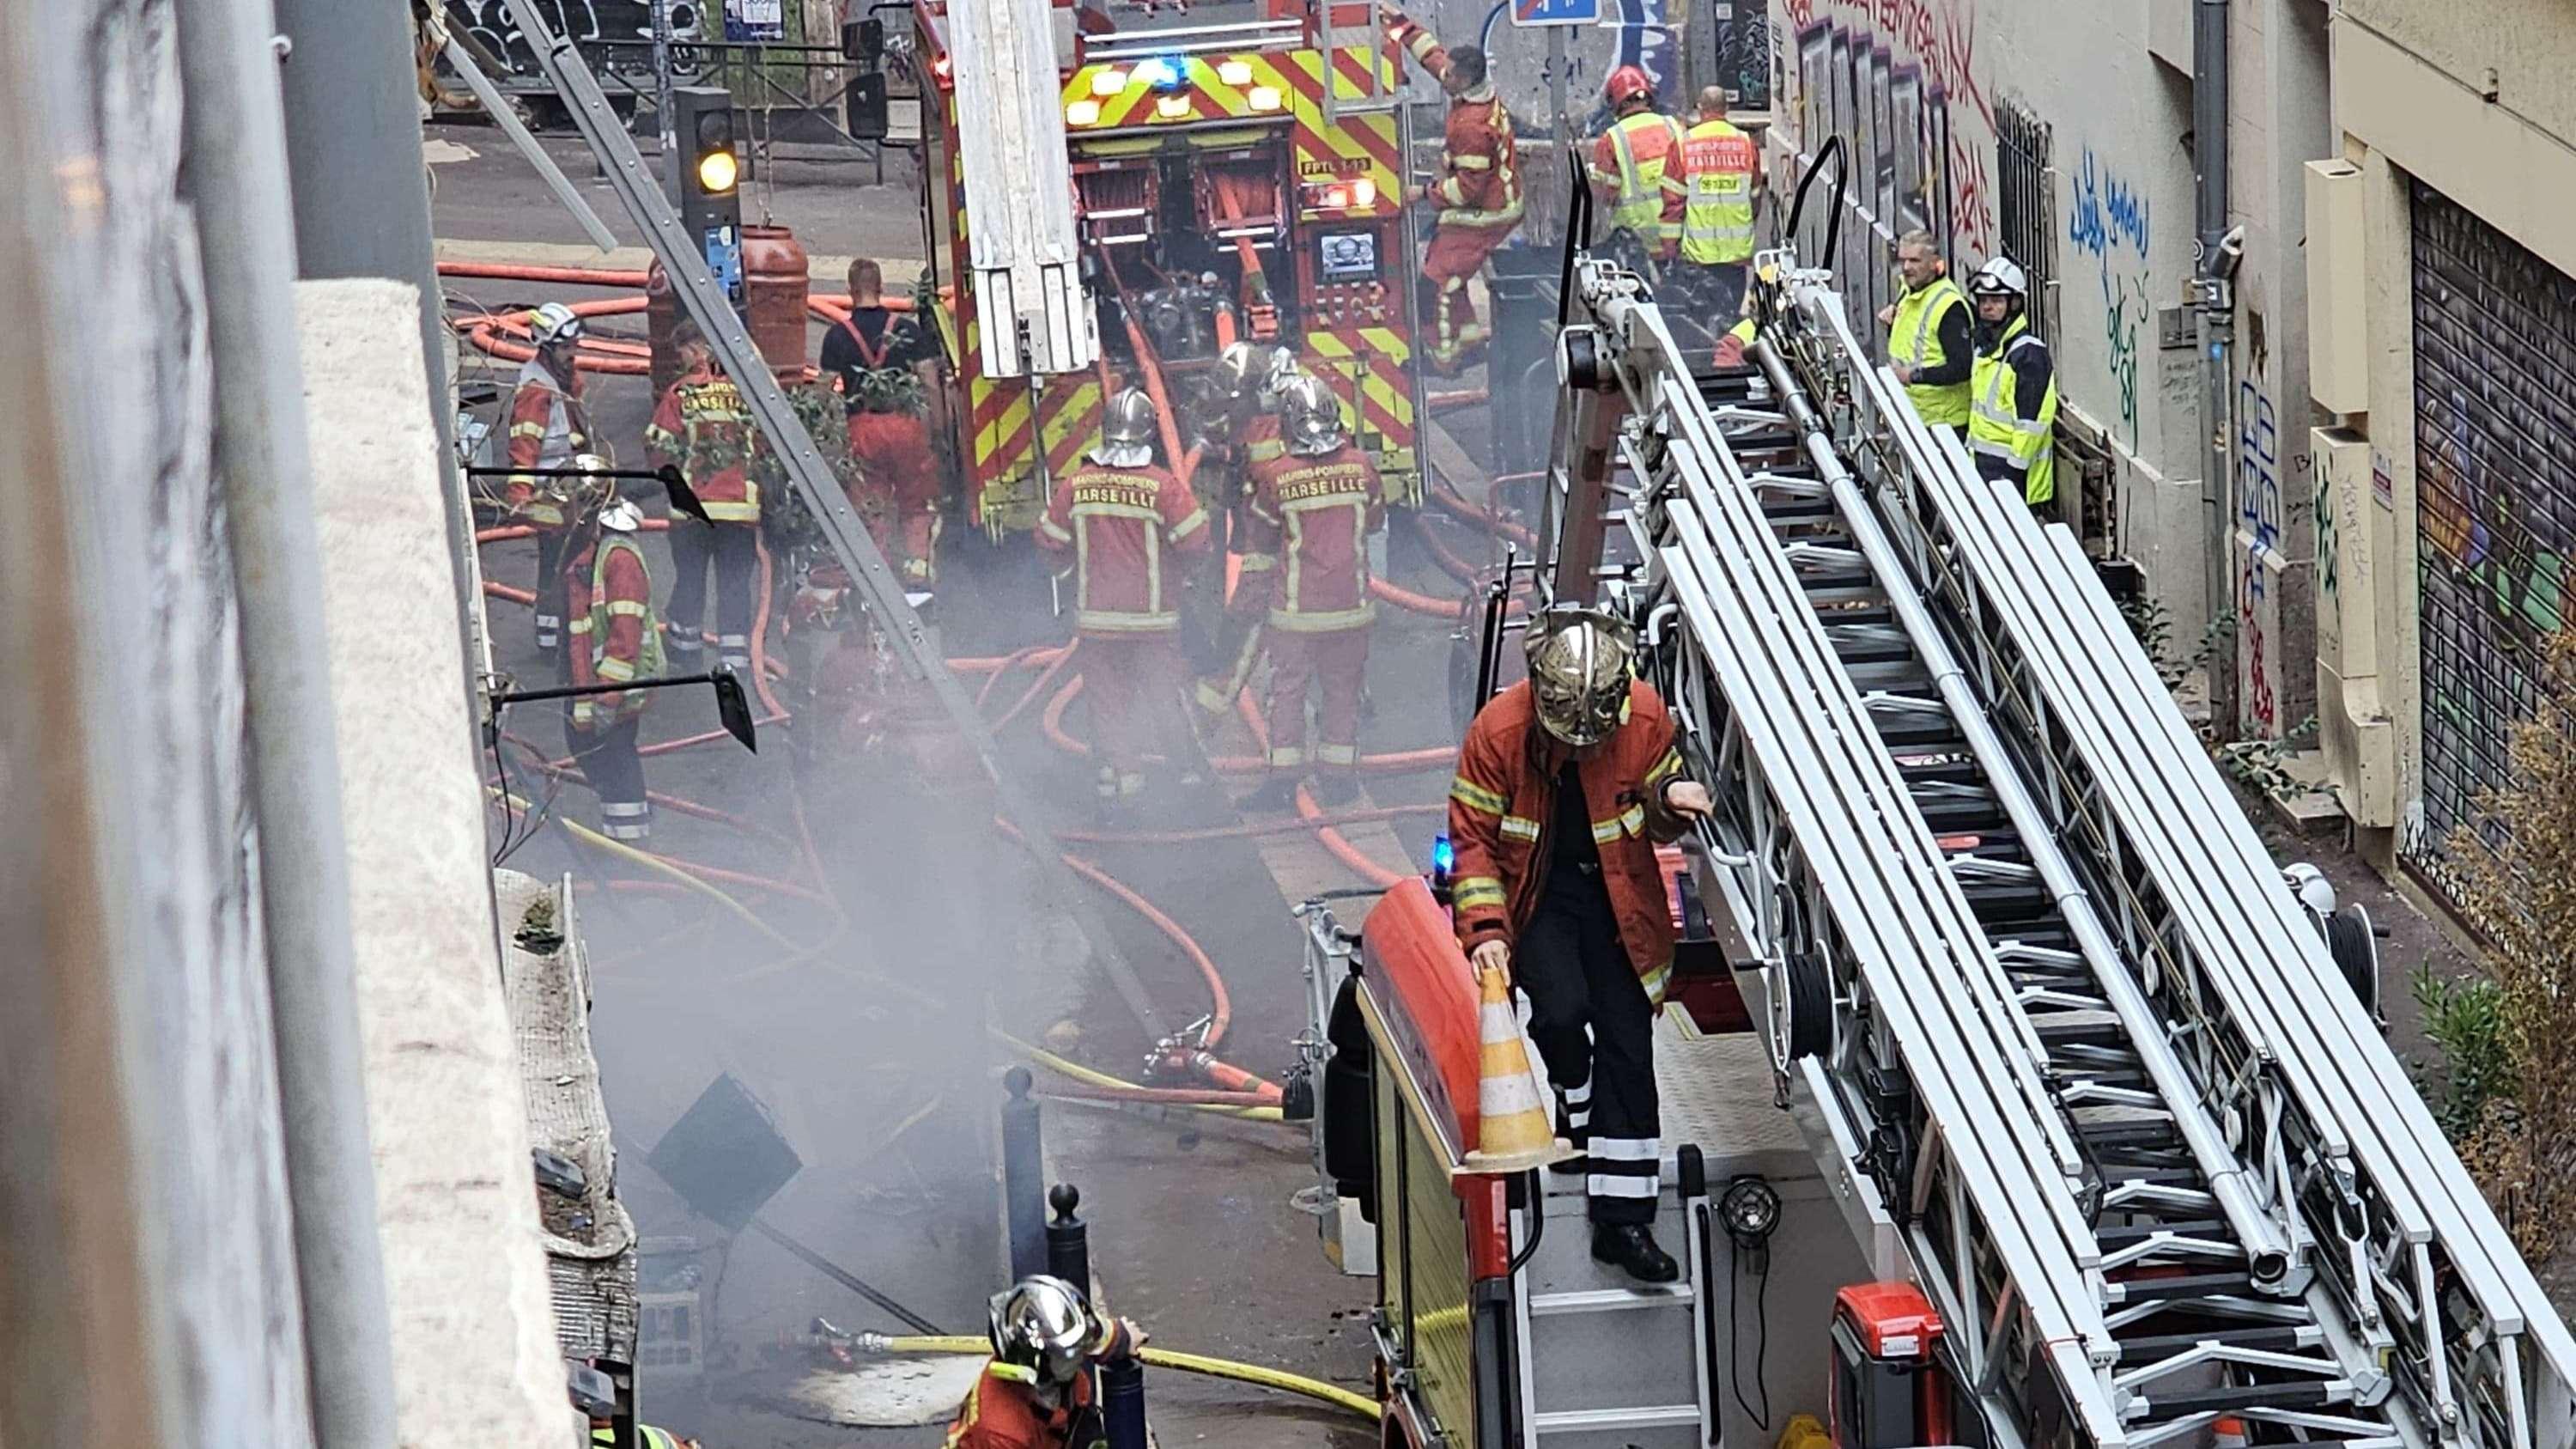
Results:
<point x="1268" y="1378"/>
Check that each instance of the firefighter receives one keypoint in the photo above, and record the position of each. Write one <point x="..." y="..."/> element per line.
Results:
<point x="549" y="427"/>
<point x="1636" y="164"/>
<point x="1037" y="1391"/>
<point x="1930" y="343"/>
<point x="609" y="593"/>
<point x="704" y="427"/>
<point x="897" y="472"/>
<point x="1124" y="520"/>
<point x="1479" y="195"/>
<point x="874" y="336"/>
<point x="1566" y="782"/>
<point x="1321" y="500"/>
<point x="1721" y="175"/>
<point x="2012" y="388"/>
<point x="1251" y="383"/>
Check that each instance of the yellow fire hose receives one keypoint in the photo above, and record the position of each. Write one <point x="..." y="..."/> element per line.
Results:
<point x="1194" y="1363"/>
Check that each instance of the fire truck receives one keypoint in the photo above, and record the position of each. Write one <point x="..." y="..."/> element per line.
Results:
<point x="2016" y="1097"/>
<point x="1237" y="180"/>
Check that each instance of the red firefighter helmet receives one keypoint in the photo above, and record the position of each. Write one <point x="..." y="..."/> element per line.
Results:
<point x="1628" y="83"/>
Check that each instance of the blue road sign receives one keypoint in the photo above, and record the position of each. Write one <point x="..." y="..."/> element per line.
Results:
<point x="1556" y="12"/>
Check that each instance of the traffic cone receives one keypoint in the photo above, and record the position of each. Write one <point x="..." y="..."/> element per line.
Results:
<point x="1512" y="1129"/>
<point x="2228" y="1433"/>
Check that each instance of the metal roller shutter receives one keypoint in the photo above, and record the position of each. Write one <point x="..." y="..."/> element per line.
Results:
<point x="2495" y="460"/>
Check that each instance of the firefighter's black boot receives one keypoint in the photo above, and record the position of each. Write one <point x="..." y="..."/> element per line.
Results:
<point x="1279" y="792"/>
<point x="1631" y="1248"/>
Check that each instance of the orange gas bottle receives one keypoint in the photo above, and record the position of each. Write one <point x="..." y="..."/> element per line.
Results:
<point x="774" y="267"/>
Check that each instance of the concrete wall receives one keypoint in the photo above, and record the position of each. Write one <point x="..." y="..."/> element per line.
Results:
<point x="2468" y="96"/>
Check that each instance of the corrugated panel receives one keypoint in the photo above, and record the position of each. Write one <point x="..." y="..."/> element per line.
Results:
<point x="2495" y="467"/>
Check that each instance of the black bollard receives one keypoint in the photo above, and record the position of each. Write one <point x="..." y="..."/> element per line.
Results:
<point x="1068" y="1240"/>
<point x="1023" y="1177"/>
<point x="1122" y="1401"/>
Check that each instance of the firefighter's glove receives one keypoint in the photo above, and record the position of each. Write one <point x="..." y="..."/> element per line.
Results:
<point x="1493" y="956"/>
<point x="582" y="714"/>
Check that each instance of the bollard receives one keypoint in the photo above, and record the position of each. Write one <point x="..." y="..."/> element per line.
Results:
<point x="1122" y="1401"/>
<point x="1068" y="1241"/>
<point x="1023" y="1177"/>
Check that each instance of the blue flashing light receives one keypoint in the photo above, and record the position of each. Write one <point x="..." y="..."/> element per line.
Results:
<point x="1163" y="73"/>
<point x="1444" y="856"/>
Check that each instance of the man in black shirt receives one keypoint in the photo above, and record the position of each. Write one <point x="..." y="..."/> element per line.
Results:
<point x="874" y="336"/>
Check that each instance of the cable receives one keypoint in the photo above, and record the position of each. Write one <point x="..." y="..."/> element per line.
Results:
<point x="1538" y="1224"/>
<point x="1761" y="1340"/>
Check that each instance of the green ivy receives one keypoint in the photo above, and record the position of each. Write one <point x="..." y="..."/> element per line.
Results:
<point x="2465" y="1020"/>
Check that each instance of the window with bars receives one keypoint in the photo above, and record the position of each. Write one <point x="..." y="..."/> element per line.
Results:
<point x="2026" y="208"/>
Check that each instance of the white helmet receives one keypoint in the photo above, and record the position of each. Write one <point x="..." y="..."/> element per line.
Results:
<point x="2001" y="277"/>
<point x="621" y="516"/>
<point x="1282" y="369"/>
<point x="553" y="323"/>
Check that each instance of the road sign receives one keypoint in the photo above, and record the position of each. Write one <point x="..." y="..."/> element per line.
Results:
<point x="1556" y="12"/>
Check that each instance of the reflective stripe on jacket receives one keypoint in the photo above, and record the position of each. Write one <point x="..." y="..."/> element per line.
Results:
<point x="1914" y="339"/>
<point x="1120" y="522"/>
<point x="608" y="598"/>
<point x="1322" y="510"/>
<point x="1718" y="165"/>
<point x="548" y="429"/>
<point x="1635" y="158"/>
<point x="2009" y="446"/>
<point x="704" y="426"/>
<point x="1503" y="802"/>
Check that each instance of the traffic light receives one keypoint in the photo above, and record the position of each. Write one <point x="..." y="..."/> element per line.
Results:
<point x="711" y="181"/>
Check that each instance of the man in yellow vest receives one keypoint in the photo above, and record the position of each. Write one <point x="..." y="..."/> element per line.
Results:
<point x="1636" y="164"/>
<point x="2013" y="407"/>
<point x="1721" y="174"/>
<point x="1929" y="343"/>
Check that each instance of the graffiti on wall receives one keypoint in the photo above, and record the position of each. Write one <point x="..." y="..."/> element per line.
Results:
<point x="2258" y="489"/>
<point x="1923" y="51"/>
<point x="1646" y="40"/>
<point x="582" y="21"/>
<point x="2107" y="220"/>
<point x="2322" y="504"/>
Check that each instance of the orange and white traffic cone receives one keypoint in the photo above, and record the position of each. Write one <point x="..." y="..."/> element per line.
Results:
<point x="2228" y="1433"/>
<point x="1513" y="1133"/>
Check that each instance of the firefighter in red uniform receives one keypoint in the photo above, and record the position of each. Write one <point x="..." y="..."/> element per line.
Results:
<point x="1565" y="784"/>
<point x="1251" y="383"/>
<point x="1479" y="197"/>
<point x="549" y="427"/>
<point x="609" y="594"/>
<point x="1637" y="164"/>
<point x="1129" y="525"/>
<point x="704" y="426"/>
<point x="1036" y="1392"/>
<point x="1320" y="499"/>
<point x="897" y="471"/>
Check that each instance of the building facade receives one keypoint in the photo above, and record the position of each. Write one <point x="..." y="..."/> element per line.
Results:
<point x="2442" y="251"/>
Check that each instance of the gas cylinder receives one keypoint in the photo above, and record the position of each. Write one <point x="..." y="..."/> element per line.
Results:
<point x="774" y="280"/>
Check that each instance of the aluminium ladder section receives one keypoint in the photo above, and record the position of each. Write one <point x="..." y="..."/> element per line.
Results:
<point x="2472" y="1341"/>
<point x="1826" y="834"/>
<point x="2182" y="1261"/>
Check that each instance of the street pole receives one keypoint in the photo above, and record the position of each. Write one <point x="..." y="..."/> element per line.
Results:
<point x="662" y="100"/>
<point x="2211" y="297"/>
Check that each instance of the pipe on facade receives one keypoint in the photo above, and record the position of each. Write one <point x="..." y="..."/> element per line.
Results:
<point x="235" y="174"/>
<point x="2211" y="295"/>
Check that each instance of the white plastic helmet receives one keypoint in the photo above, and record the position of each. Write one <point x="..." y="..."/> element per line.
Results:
<point x="1042" y="1324"/>
<point x="553" y="323"/>
<point x="2312" y="888"/>
<point x="1282" y="369"/>
<point x="621" y="516"/>
<point x="2002" y="277"/>
<point x="1580" y="660"/>
<point x="1310" y="417"/>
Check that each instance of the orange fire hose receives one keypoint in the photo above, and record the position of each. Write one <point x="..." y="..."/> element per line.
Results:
<point x="1400" y="762"/>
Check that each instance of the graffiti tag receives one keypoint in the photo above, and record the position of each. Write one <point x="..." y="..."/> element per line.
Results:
<point x="2258" y="485"/>
<point x="2125" y="310"/>
<point x="2105" y="212"/>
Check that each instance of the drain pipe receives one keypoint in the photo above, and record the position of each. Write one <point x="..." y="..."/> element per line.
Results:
<point x="2216" y="251"/>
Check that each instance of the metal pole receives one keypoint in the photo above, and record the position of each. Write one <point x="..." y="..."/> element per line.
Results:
<point x="1068" y="1239"/>
<point x="235" y="174"/>
<point x="662" y="119"/>
<point x="2211" y="295"/>
<point x="1023" y="1176"/>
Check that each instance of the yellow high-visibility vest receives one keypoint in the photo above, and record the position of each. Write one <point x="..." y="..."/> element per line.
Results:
<point x="1996" y="428"/>
<point x="1640" y="207"/>
<point x="1717" y="221"/>
<point x="1915" y="340"/>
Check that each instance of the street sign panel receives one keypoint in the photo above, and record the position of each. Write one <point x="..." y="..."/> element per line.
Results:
<point x="1556" y="12"/>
